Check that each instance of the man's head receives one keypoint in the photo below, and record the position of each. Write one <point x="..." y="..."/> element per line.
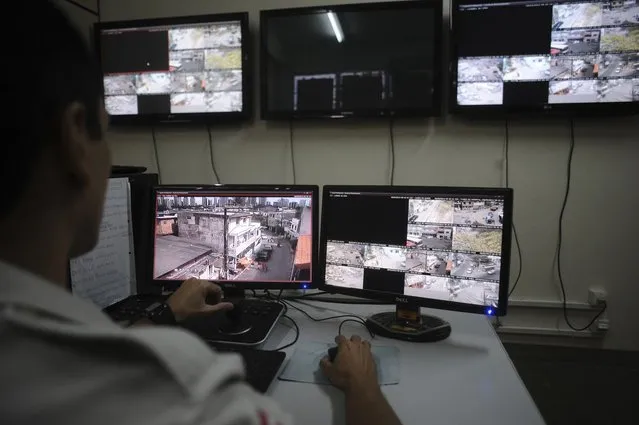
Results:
<point x="53" y="144"/>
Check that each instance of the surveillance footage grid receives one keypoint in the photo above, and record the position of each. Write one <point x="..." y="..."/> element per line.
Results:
<point x="204" y="73"/>
<point x="452" y="252"/>
<point x="592" y="57"/>
<point x="264" y="237"/>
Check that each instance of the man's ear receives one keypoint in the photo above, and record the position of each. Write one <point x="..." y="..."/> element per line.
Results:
<point x="73" y="148"/>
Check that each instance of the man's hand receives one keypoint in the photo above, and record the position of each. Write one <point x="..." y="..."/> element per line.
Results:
<point x="354" y="368"/>
<point x="191" y="299"/>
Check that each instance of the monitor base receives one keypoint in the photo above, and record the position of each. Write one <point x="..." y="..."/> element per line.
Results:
<point x="407" y="324"/>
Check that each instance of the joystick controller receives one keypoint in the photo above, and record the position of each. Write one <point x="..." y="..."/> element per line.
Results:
<point x="233" y="322"/>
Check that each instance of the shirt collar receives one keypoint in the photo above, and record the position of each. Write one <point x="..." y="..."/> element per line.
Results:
<point x="26" y="290"/>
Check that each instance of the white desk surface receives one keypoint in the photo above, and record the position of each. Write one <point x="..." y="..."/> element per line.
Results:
<point x="467" y="379"/>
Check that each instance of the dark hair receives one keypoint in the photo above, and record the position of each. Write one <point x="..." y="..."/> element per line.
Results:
<point x="47" y="66"/>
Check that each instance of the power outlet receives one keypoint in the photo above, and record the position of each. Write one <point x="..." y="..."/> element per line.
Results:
<point x="597" y="296"/>
<point x="603" y="324"/>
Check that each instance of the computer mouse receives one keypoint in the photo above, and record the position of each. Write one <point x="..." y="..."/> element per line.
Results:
<point x="332" y="353"/>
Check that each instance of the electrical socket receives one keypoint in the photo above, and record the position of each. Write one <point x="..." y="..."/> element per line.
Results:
<point x="597" y="296"/>
<point x="603" y="324"/>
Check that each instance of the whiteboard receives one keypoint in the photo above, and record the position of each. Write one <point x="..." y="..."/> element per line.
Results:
<point x="106" y="275"/>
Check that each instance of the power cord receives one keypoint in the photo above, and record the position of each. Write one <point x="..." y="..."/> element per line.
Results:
<point x="292" y="151"/>
<point x="297" y="334"/>
<point x="560" y="239"/>
<point x="339" y="330"/>
<point x="86" y="9"/>
<point x="217" y="176"/>
<point x="392" y="152"/>
<point x="157" y="157"/>
<point x="295" y="326"/>
<point x="507" y="172"/>
<point x="349" y="317"/>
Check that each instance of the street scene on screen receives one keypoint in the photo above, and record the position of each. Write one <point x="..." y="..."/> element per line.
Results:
<point x="233" y="238"/>
<point x="430" y="211"/>
<point x="451" y="289"/>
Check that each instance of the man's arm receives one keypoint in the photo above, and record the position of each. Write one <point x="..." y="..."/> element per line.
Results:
<point x="365" y="406"/>
<point x="355" y="373"/>
<point x="194" y="297"/>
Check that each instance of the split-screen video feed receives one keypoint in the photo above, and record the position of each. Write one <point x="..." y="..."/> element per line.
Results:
<point x="204" y="74"/>
<point x="449" y="289"/>
<point x="246" y="238"/>
<point x="593" y="57"/>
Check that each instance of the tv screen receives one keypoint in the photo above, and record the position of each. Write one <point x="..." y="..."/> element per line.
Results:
<point x="545" y="55"/>
<point x="175" y="69"/>
<point x="379" y="59"/>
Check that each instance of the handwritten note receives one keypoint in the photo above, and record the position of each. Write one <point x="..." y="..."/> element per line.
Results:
<point x="105" y="275"/>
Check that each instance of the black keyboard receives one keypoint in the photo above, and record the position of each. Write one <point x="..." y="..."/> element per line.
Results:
<point x="261" y="366"/>
<point x="256" y="320"/>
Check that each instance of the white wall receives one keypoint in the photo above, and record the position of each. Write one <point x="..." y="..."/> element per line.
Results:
<point x="601" y="225"/>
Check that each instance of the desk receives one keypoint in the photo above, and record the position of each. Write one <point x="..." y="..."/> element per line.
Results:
<point x="467" y="379"/>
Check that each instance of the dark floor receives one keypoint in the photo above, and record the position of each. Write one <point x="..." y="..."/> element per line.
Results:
<point x="580" y="385"/>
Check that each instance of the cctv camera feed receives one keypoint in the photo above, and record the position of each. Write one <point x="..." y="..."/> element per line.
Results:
<point x="537" y="53"/>
<point x="327" y="62"/>
<point x="222" y="236"/>
<point x="178" y="69"/>
<point x="437" y="247"/>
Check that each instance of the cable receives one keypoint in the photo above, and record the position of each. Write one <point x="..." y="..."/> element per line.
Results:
<point x="507" y="172"/>
<point x="392" y="152"/>
<point x="297" y="334"/>
<point x="339" y="330"/>
<point x="217" y="176"/>
<point x="560" y="238"/>
<point x="292" y="151"/>
<point x="267" y="294"/>
<point x="351" y="317"/>
<point x="99" y="10"/>
<point x="86" y="9"/>
<point x="157" y="157"/>
<point x="507" y="153"/>
<point x="521" y="261"/>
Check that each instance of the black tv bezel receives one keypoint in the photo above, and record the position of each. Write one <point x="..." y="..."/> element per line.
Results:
<point x="200" y="117"/>
<point x="434" y="111"/>
<point x="172" y="285"/>
<point x="506" y="193"/>
<point x="554" y="110"/>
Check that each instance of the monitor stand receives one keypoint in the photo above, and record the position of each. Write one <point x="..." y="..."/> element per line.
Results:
<point x="407" y="324"/>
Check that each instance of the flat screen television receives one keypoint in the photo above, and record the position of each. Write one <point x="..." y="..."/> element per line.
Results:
<point x="552" y="55"/>
<point x="377" y="59"/>
<point x="176" y="69"/>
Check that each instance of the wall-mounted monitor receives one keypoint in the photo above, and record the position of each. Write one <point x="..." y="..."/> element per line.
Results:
<point x="378" y="59"/>
<point x="551" y="55"/>
<point x="176" y="69"/>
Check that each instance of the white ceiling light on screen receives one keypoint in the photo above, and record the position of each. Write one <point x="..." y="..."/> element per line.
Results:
<point x="337" y="27"/>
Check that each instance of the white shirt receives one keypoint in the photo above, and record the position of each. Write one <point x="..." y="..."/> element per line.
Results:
<point x="62" y="361"/>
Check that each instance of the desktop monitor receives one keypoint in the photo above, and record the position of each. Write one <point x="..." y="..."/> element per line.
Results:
<point x="373" y="59"/>
<point x="239" y="236"/>
<point x="545" y="56"/>
<point x="184" y="69"/>
<point x="439" y="247"/>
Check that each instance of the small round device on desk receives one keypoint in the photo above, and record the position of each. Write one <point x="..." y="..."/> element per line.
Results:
<point x="233" y="323"/>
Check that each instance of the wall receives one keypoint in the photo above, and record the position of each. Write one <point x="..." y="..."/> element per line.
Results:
<point x="601" y="226"/>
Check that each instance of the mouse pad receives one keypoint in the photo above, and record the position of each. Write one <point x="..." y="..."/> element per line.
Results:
<point x="304" y="364"/>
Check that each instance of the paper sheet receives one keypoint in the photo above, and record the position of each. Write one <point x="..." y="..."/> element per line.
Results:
<point x="304" y="364"/>
<point x="105" y="275"/>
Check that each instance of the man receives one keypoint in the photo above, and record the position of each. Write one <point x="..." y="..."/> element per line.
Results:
<point x="61" y="360"/>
